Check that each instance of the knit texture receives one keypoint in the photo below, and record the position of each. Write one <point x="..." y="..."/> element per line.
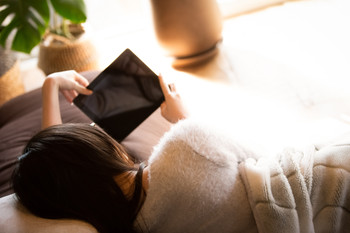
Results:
<point x="194" y="184"/>
<point x="203" y="181"/>
<point x="11" y="83"/>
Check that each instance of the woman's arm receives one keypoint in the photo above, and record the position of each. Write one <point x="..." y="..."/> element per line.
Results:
<point x="172" y="109"/>
<point x="70" y="84"/>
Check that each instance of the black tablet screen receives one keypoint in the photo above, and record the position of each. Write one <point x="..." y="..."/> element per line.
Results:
<point x="124" y="95"/>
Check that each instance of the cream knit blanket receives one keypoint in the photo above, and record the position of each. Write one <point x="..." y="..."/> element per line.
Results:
<point x="300" y="191"/>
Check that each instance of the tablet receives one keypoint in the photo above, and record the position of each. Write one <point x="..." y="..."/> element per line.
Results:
<point x="124" y="95"/>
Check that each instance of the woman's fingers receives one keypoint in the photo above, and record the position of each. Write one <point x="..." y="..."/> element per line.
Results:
<point x="70" y="83"/>
<point x="164" y="86"/>
<point x="68" y="95"/>
<point x="81" y="79"/>
<point x="172" y="109"/>
<point x="80" y="84"/>
<point x="172" y="87"/>
<point x="82" y="89"/>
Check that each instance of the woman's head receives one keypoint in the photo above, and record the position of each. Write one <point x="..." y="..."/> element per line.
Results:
<point x="67" y="171"/>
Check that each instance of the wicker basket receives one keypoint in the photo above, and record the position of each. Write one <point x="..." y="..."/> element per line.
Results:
<point x="11" y="84"/>
<point x="58" y="53"/>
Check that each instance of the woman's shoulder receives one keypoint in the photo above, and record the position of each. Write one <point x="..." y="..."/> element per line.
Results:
<point x="192" y="154"/>
<point x="192" y="137"/>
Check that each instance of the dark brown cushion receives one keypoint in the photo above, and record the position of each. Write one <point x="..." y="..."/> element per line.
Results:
<point x="20" y="119"/>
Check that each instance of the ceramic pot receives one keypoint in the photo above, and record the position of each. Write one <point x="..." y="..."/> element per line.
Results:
<point x="187" y="28"/>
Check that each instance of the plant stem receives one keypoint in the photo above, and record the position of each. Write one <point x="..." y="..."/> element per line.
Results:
<point x="55" y="25"/>
<point x="65" y="29"/>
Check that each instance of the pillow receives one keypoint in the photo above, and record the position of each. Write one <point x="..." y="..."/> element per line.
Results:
<point x="20" y="119"/>
<point x="14" y="218"/>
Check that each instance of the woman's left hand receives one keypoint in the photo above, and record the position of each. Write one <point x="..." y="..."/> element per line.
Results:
<point x="172" y="109"/>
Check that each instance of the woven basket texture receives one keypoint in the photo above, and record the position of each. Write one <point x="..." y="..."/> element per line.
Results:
<point x="79" y="55"/>
<point x="11" y="84"/>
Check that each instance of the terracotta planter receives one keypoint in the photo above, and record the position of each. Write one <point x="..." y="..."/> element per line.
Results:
<point x="187" y="29"/>
<point x="58" y="53"/>
<point x="11" y="83"/>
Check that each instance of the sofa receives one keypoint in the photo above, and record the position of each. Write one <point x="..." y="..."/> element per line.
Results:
<point x="287" y="64"/>
<point x="20" y="119"/>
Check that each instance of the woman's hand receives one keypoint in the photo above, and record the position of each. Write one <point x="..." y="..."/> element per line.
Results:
<point x="69" y="83"/>
<point x="172" y="109"/>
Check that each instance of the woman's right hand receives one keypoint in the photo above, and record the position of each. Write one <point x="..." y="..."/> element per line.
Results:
<point x="173" y="108"/>
<point x="70" y="83"/>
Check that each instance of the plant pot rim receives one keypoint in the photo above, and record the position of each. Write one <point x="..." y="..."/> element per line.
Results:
<point x="56" y="41"/>
<point x="197" y="59"/>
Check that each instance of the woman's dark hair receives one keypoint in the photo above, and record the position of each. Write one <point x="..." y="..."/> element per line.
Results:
<point x="68" y="171"/>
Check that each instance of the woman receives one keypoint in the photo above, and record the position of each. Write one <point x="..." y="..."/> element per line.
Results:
<point x="197" y="179"/>
<point x="78" y="171"/>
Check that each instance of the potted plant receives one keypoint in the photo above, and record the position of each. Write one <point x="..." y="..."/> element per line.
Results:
<point x="54" y="24"/>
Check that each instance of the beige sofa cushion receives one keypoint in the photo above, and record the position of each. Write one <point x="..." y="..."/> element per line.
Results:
<point x="14" y="218"/>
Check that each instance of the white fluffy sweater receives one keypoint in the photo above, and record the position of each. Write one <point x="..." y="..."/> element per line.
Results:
<point x="202" y="181"/>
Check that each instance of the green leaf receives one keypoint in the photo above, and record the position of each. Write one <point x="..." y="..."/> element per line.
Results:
<point x="30" y="20"/>
<point x="42" y="8"/>
<point x="4" y="2"/>
<point x="40" y="24"/>
<point x="4" y="14"/>
<point x="26" y="38"/>
<point x="74" y="10"/>
<point x="5" y="32"/>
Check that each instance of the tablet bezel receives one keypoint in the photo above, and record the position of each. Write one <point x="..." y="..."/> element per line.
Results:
<point x="79" y="100"/>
